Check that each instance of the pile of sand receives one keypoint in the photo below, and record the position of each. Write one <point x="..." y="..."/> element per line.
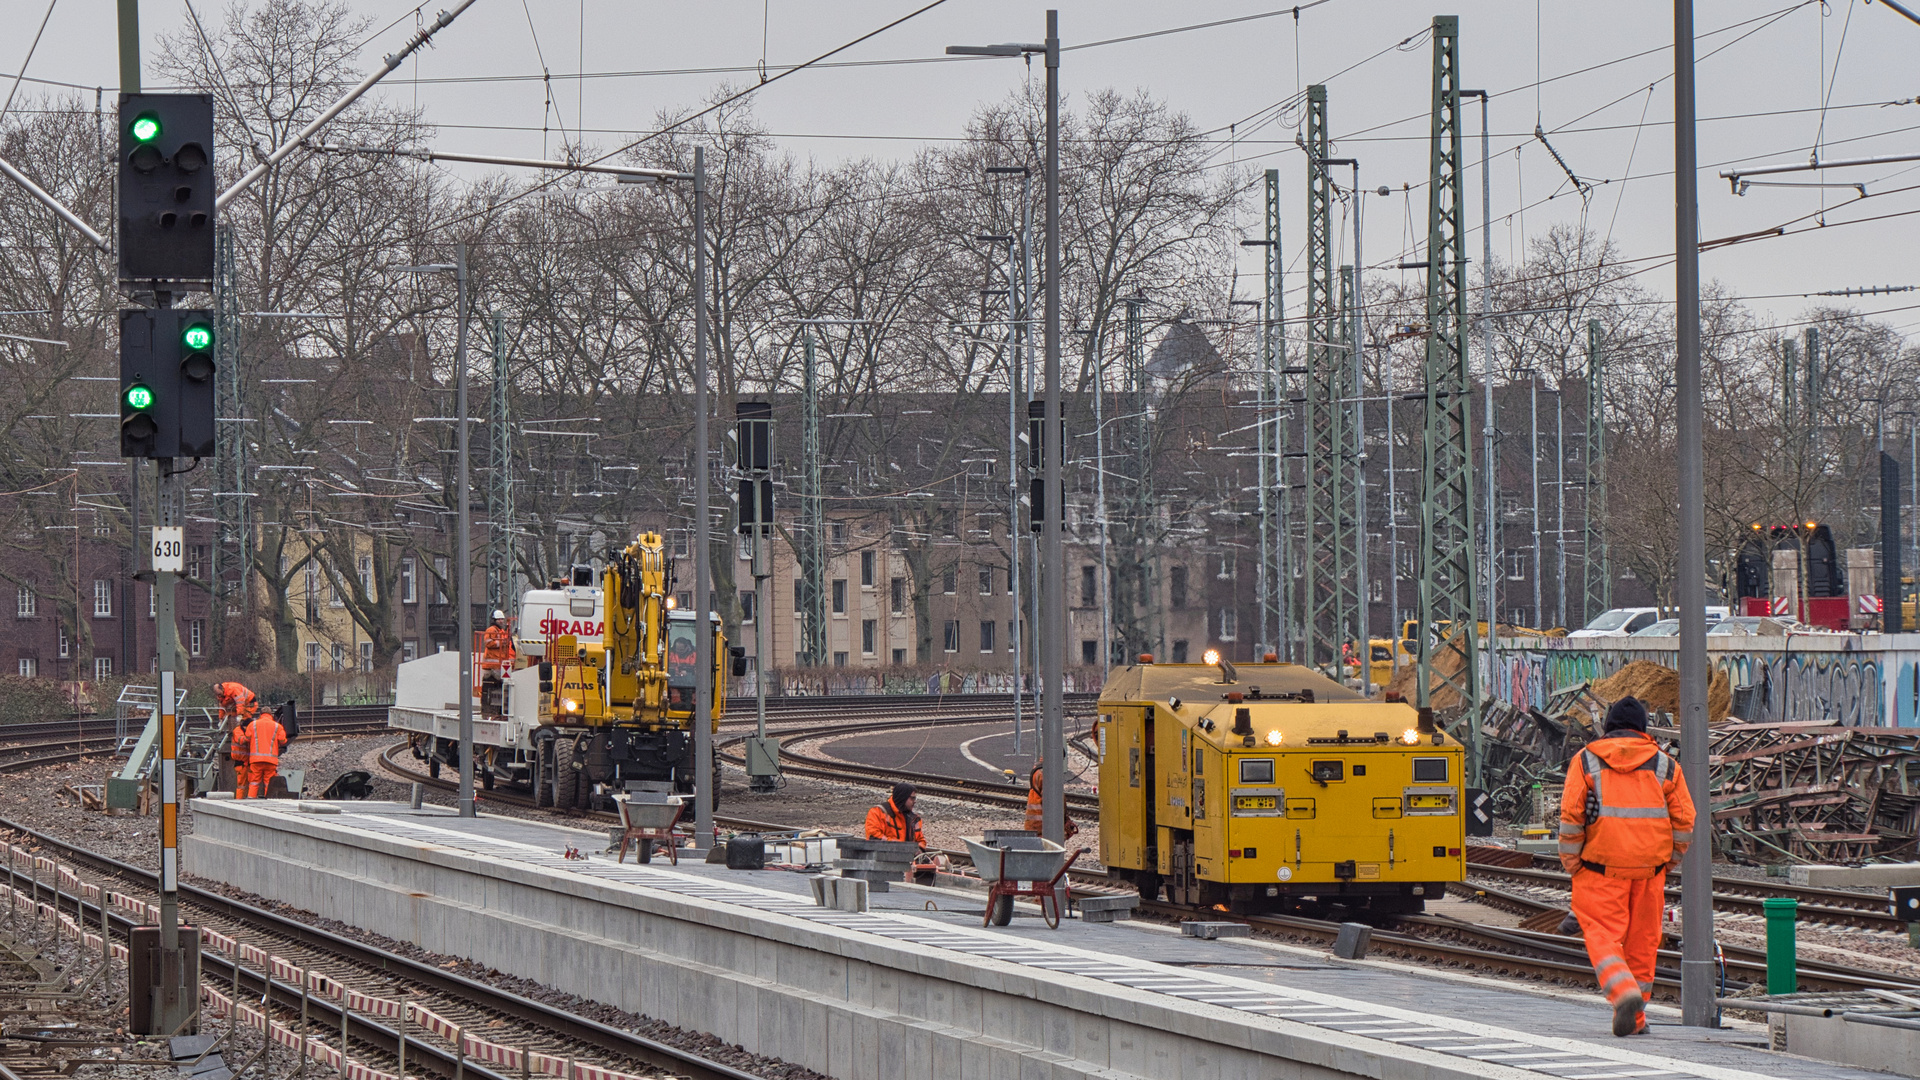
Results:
<point x="1447" y="663"/>
<point x="1659" y="687"/>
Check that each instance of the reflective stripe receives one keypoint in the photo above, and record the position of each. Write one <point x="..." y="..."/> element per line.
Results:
<point x="1567" y="829"/>
<point x="1571" y="849"/>
<point x="1634" y="811"/>
<point x="1683" y="836"/>
<point x="1623" y="975"/>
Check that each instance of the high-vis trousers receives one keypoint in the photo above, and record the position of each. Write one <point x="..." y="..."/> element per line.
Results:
<point x="259" y="775"/>
<point x="1621" y="922"/>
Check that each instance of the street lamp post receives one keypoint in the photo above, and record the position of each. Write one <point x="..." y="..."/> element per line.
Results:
<point x="1052" y="630"/>
<point x="463" y="586"/>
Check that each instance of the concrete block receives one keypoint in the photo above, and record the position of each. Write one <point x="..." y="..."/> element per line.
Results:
<point x="1212" y="930"/>
<point x="1100" y="909"/>
<point x="850" y="894"/>
<point x="1877" y="875"/>
<point x="1353" y="941"/>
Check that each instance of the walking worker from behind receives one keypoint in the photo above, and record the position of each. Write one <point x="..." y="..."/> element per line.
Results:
<point x="268" y="739"/>
<point x="1625" y="820"/>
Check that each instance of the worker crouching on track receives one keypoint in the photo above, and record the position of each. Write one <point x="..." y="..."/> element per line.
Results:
<point x="496" y="663"/>
<point x="268" y="738"/>
<point x="1035" y="817"/>
<point x="1625" y="820"/>
<point x="237" y="710"/>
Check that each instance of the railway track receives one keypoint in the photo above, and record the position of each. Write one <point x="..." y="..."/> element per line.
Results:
<point x="107" y="727"/>
<point x="1733" y="896"/>
<point x="54" y="751"/>
<point x="505" y="1016"/>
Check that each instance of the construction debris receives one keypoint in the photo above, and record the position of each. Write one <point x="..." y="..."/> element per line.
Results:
<point x="1815" y="791"/>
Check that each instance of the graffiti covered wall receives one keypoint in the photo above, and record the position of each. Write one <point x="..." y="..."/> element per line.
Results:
<point x="1859" y="680"/>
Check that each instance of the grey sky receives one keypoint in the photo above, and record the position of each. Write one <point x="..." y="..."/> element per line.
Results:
<point x="1760" y="101"/>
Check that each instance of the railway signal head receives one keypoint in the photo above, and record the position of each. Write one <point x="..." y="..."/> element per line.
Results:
<point x="137" y="424"/>
<point x="166" y="184"/>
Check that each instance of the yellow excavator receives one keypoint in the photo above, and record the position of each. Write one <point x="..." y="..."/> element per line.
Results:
<point x="622" y="708"/>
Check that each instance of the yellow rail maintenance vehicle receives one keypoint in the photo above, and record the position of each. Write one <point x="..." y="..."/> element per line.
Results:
<point x="621" y="709"/>
<point x="1273" y="788"/>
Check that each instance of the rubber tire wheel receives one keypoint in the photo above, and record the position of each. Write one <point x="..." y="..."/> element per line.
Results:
<point x="433" y="767"/>
<point x="646" y="851"/>
<point x="716" y="784"/>
<point x="1000" y="913"/>
<point x="1149" y="885"/>
<point x="486" y="778"/>
<point x="542" y="774"/>
<point x="566" y="788"/>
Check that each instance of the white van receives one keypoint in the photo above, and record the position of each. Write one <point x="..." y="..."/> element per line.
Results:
<point x="1618" y="622"/>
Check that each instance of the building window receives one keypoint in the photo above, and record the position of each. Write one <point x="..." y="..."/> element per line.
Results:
<point x="987" y="627"/>
<point x="1177" y="587"/>
<point x="439" y="579"/>
<point x="102" y="599"/>
<point x="899" y="656"/>
<point x="410" y="649"/>
<point x="837" y="531"/>
<point x="29" y="603"/>
<point x="366" y="575"/>
<point x="1179" y="652"/>
<point x="746" y="606"/>
<point x="840" y="596"/>
<point x="1516" y="565"/>
<point x="339" y="657"/>
<point x="950" y="637"/>
<point x="866" y="569"/>
<point x="1376" y="590"/>
<point x="66" y="644"/>
<point x="1229" y="624"/>
<point x="409" y="586"/>
<point x="196" y="559"/>
<point x="949" y="581"/>
<point x="986" y="583"/>
<point x="366" y="656"/>
<point x="102" y="668"/>
<point x="152" y="603"/>
<point x="1012" y="627"/>
<point x="313" y="656"/>
<point x="799" y="598"/>
<point x="1089" y="585"/>
<point x="336" y="589"/>
<point x="869" y="630"/>
<point x="839" y="659"/>
<point x="1089" y="652"/>
<point x="196" y="633"/>
<point x="683" y="601"/>
<point x="29" y="667"/>
<point x="899" y="589"/>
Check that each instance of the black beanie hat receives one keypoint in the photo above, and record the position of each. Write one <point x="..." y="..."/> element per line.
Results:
<point x="1628" y="712"/>
<point x="903" y="792"/>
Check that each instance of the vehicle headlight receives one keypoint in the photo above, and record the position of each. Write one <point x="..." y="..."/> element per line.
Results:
<point x="569" y="704"/>
<point x="1410" y="736"/>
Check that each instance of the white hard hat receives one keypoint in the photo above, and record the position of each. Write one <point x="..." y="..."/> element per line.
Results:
<point x="498" y="614"/>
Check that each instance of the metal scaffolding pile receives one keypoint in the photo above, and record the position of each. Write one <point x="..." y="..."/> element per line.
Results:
<point x="1815" y="791"/>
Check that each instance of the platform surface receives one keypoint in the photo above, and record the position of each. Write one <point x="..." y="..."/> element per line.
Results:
<point x="1471" y="1020"/>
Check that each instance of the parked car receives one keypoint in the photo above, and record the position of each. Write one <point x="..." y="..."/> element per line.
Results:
<point x="1663" y="628"/>
<point x="1618" y="621"/>
<point x="1752" y="626"/>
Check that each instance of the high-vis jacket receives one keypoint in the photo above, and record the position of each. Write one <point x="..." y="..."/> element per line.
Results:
<point x="268" y="739"/>
<point x="496" y="650"/>
<point x="1035" y="814"/>
<point x="235" y="700"/>
<point x="889" y="822"/>
<point x="1625" y="810"/>
<point x="240" y="744"/>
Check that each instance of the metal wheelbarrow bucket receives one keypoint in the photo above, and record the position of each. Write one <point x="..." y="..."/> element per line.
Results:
<point x="645" y="819"/>
<point x="1022" y="866"/>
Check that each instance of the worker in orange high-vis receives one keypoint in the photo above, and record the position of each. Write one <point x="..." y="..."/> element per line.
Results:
<point x="895" y="819"/>
<point x="1035" y="816"/>
<point x="268" y="739"/>
<point x="496" y="663"/>
<point x="237" y="709"/>
<point x="1625" y="820"/>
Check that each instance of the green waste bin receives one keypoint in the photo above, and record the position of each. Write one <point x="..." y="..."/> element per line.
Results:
<point x="1782" y="969"/>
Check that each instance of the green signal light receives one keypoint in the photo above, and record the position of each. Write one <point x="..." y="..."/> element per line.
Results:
<point x="139" y="397"/>
<point x="146" y="128"/>
<point x="198" y="336"/>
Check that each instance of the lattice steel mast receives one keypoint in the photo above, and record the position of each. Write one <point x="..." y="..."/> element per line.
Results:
<point x="500" y="518"/>
<point x="1447" y="560"/>
<point x="813" y="526"/>
<point x="1598" y="595"/>
<point x="233" y="547"/>
<point x="1273" y="541"/>
<point x="1332" y="601"/>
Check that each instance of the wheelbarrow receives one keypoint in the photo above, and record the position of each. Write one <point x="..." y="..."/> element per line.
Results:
<point x="646" y="817"/>
<point x="1022" y="866"/>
